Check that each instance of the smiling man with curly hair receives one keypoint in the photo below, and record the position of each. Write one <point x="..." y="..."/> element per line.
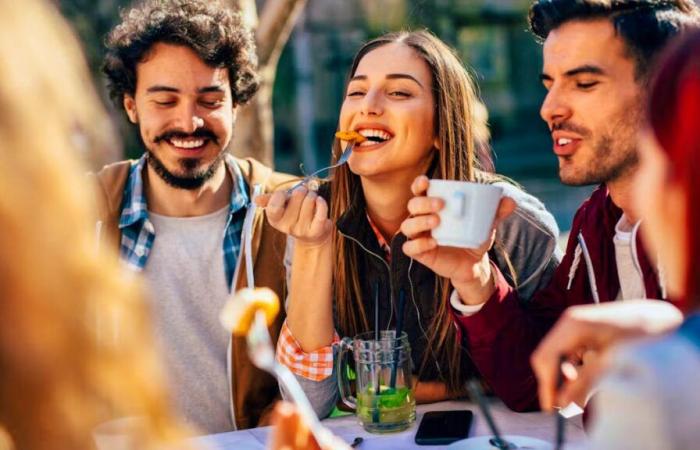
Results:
<point x="180" y="69"/>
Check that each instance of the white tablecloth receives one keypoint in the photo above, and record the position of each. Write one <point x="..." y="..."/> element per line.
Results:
<point x="535" y="424"/>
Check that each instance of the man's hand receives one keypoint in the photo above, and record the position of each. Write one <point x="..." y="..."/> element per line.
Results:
<point x="587" y="330"/>
<point x="468" y="269"/>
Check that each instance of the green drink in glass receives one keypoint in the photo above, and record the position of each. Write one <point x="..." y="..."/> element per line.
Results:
<point x="394" y="409"/>
<point x="380" y="407"/>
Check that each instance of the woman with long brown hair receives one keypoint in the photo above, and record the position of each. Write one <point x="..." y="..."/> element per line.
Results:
<point x="409" y="93"/>
<point x="74" y="346"/>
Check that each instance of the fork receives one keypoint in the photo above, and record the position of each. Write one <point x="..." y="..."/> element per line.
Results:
<point x="342" y="160"/>
<point x="262" y="355"/>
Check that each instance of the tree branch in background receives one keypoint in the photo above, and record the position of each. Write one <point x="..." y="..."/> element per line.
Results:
<point x="254" y="130"/>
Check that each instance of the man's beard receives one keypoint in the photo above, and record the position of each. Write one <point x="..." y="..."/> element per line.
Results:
<point x="614" y="153"/>
<point x="191" y="177"/>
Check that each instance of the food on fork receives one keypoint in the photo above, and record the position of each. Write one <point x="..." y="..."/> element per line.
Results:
<point x="350" y="136"/>
<point x="239" y="312"/>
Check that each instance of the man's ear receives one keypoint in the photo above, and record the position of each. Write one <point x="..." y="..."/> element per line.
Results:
<point x="130" y="108"/>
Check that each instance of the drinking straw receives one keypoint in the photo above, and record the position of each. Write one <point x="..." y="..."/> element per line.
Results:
<point x="475" y="390"/>
<point x="375" y="377"/>
<point x="561" y="420"/>
<point x="376" y="311"/>
<point x="399" y="329"/>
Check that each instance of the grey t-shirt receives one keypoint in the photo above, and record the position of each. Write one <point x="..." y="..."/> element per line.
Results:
<point x="187" y="284"/>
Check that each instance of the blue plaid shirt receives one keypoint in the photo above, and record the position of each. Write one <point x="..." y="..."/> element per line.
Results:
<point x="138" y="233"/>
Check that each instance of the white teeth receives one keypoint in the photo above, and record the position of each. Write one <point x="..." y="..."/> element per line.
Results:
<point x="370" y="132"/>
<point x="187" y="144"/>
<point x="563" y="141"/>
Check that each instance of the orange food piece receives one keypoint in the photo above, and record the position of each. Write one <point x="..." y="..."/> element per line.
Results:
<point x="239" y="312"/>
<point x="350" y="136"/>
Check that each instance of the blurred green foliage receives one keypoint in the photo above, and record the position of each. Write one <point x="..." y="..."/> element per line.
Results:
<point x="92" y="20"/>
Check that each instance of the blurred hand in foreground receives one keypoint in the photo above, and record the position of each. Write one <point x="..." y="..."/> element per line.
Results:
<point x="584" y="334"/>
<point x="291" y="432"/>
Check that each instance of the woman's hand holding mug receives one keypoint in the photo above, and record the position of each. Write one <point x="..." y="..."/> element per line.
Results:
<point x="469" y="269"/>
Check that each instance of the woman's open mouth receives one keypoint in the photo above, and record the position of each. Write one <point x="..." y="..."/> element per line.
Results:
<point x="375" y="137"/>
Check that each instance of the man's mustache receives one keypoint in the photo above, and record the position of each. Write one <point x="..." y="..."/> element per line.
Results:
<point x="567" y="126"/>
<point x="179" y="134"/>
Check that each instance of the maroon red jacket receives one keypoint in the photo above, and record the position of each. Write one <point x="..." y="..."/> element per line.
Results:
<point x="504" y="333"/>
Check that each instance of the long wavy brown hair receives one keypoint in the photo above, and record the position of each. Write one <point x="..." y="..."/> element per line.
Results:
<point x="74" y="350"/>
<point x="455" y="99"/>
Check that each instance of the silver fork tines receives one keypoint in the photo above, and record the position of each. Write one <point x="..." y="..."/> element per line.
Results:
<point x="342" y="160"/>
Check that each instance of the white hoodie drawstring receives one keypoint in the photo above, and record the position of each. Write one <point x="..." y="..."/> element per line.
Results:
<point x="589" y="266"/>
<point x="574" y="266"/>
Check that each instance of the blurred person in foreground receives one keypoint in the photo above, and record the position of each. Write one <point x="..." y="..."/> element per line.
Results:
<point x="180" y="70"/>
<point x="597" y="56"/>
<point x="74" y="350"/>
<point x="648" y="396"/>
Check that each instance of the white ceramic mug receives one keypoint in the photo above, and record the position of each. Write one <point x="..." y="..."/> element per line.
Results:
<point x="469" y="212"/>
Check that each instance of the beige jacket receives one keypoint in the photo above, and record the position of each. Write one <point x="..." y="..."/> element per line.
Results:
<point x="253" y="391"/>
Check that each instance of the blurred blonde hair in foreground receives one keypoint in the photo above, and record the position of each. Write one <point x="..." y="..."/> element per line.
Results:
<point x="74" y="350"/>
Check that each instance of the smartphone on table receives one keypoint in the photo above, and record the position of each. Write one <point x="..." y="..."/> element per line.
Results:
<point x="444" y="427"/>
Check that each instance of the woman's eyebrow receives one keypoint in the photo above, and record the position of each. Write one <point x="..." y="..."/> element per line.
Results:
<point x="405" y="76"/>
<point x="391" y="76"/>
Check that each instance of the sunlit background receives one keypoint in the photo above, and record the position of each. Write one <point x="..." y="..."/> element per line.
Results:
<point x="490" y="36"/>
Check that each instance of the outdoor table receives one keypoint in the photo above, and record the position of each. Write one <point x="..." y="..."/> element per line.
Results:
<point x="534" y="424"/>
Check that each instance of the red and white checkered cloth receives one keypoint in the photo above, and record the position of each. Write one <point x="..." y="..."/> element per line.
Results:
<point x="316" y="365"/>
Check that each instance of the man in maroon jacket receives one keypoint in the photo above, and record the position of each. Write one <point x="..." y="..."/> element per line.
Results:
<point x="597" y="57"/>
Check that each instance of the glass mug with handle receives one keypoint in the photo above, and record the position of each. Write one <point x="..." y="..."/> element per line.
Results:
<point x="384" y="400"/>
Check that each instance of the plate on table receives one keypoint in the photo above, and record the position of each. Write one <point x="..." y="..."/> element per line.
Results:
<point x="482" y="443"/>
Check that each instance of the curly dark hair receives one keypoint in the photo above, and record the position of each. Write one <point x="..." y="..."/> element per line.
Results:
<point x="213" y="31"/>
<point x="645" y="26"/>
